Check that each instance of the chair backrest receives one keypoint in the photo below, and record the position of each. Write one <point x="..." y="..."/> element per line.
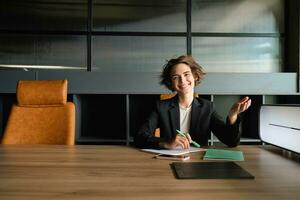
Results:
<point x="42" y="114"/>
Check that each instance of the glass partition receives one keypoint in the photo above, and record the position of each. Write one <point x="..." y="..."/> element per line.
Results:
<point x="134" y="53"/>
<point x="139" y="15"/>
<point x="238" y="16"/>
<point x="43" y="51"/>
<point x="238" y="54"/>
<point x="43" y="15"/>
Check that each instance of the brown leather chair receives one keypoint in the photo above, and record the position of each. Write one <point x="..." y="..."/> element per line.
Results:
<point x="42" y="114"/>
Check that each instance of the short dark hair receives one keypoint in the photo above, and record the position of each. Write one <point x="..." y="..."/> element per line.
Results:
<point x="196" y="69"/>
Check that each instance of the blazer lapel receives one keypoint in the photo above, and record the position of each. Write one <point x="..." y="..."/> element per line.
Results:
<point x="196" y="112"/>
<point x="174" y="114"/>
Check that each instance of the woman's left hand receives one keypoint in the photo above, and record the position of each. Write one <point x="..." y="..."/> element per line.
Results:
<point x="238" y="108"/>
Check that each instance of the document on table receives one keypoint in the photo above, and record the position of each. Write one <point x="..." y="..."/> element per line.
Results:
<point x="174" y="152"/>
<point x="220" y="154"/>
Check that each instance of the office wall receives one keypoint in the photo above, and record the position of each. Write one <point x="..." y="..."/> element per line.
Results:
<point x="138" y="36"/>
<point x="241" y="45"/>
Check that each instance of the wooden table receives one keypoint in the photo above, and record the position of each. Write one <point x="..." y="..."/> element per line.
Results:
<point x="120" y="172"/>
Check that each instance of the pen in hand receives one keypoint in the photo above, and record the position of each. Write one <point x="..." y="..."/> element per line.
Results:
<point x="183" y="135"/>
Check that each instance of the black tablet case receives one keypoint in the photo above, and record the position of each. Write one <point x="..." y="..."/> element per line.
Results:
<point x="209" y="170"/>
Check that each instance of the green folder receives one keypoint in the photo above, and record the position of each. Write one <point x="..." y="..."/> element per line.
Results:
<point x="220" y="154"/>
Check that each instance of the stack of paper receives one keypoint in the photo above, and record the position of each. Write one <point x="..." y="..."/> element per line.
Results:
<point x="174" y="152"/>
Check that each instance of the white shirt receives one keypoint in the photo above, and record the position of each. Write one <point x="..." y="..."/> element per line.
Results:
<point x="185" y="118"/>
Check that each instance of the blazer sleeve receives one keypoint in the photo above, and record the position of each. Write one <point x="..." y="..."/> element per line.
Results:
<point x="145" y="137"/>
<point x="224" y="131"/>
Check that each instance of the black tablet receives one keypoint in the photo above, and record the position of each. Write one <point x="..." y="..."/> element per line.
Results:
<point x="209" y="170"/>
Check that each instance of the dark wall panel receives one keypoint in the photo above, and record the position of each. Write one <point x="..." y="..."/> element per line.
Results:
<point x="43" y="15"/>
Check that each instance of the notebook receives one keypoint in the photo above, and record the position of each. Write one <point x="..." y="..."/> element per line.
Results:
<point x="209" y="170"/>
<point x="220" y="154"/>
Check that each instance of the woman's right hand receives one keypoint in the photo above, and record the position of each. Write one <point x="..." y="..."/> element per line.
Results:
<point x="179" y="140"/>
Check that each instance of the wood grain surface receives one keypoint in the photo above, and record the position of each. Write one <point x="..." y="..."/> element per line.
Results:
<point x="120" y="172"/>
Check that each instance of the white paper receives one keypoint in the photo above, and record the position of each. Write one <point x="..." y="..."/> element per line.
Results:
<point x="174" y="152"/>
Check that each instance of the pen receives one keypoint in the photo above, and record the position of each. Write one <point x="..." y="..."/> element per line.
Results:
<point x="183" y="135"/>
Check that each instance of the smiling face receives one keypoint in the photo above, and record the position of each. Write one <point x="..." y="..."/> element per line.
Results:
<point x="182" y="78"/>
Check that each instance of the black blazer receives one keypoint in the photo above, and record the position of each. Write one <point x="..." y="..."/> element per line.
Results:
<point x="204" y="119"/>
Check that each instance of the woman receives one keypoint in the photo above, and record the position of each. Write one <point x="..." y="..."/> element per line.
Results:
<point x="192" y="115"/>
